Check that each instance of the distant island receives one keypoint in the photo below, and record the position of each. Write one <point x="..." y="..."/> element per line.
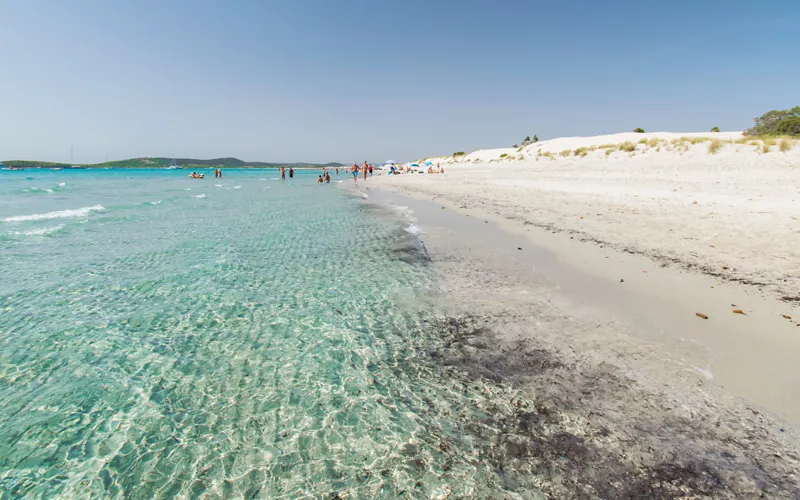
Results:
<point x="186" y="163"/>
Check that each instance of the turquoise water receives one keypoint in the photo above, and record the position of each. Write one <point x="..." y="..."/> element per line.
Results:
<point x="247" y="337"/>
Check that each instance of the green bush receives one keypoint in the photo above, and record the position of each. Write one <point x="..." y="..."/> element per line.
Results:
<point x="628" y="147"/>
<point x="769" y="122"/>
<point x="503" y="155"/>
<point x="715" y="129"/>
<point x="639" y="130"/>
<point x="459" y="153"/>
<point x="789" y="126"/>
<point x="535" y="138"/>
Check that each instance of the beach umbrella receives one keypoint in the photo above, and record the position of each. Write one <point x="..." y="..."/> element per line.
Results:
<point x="428" y="163"/>
<point x="414" y="165"/>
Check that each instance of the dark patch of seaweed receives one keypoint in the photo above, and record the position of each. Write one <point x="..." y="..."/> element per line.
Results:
<point x="657" y="454"/>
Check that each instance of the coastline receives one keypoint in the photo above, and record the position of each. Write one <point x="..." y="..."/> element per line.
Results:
<point x="609" y="381"/>
<point x="718" y="205"/>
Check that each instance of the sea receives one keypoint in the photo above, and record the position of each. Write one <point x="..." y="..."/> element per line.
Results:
<point x="243" y="337"/>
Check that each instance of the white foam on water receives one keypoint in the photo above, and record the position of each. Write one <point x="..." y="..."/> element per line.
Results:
<point x="62" y="184"/>
<point x="61" y="214"/>
<point x="413" y="229"/>
<point x="188" y="189"/>
<point x="201" y="196"/>
<point x="365" y="195"/>
<point x="262" y="179"/>
<point x="38" y="232"/>
<point x="237" y="187"/>
<point x="34" y="189"/>
<point x="217" y="185"/>
<point x="155" y="202"/>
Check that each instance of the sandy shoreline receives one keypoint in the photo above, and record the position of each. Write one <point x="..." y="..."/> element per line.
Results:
<point x="596" y="409"/>
<point x="733" y="214"/>
<point x="603" y="338"/>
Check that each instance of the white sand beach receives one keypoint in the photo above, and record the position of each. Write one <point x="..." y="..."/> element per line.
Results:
<point x="582" y="280"/>
<point x="671" y="228"/>
<point x="734" y="212"/>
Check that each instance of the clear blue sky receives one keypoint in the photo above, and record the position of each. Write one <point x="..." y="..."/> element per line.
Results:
<point x="345" y="80"/>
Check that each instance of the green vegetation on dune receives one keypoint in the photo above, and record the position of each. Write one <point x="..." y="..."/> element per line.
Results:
<point x="777" y="122"/>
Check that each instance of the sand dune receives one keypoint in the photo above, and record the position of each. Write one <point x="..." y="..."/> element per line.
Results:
<point x="715" y="202"/>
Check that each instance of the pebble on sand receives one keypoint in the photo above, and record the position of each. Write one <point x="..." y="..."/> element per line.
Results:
<point x="701" y="315"/>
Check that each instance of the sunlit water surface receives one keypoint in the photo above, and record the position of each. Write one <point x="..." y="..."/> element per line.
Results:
<point x="244" y="337"/>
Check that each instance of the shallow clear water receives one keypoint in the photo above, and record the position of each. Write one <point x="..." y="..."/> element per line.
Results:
<point x="247" y="337"/>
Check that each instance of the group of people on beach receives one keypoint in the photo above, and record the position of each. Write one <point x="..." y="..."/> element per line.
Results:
<point x="365" y="169"/>
<point x="407" y="170"/>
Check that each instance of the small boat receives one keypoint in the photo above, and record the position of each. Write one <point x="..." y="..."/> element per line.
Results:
<point x="16" y="168"/>
<point x="56" y="169"/>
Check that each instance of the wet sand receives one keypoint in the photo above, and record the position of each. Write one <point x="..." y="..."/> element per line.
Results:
<point x="627" y="391"/>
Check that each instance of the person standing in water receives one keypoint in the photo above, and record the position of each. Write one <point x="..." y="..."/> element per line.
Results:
<point x="291" y="173"/>
<point x="364" y="169"/>
<point x="283" y="174"/>
<point x="370" y="170"/>
<point x="354" y="169"/>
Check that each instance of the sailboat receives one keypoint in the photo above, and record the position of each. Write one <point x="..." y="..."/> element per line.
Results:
<point x="173" y="166"/>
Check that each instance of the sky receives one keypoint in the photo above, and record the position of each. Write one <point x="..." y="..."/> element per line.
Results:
<point x="348" y="80"/>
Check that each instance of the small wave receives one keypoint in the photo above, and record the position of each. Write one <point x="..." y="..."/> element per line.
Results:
<point x="38" y="232"/>
<point x="237" y="187"/>
<point x="413" y="229"/>
<point x="187" y="189"/>
<point x="365" y="195"/>
<point x="201" y="196"/>
<point x="217" y="185"/>
<point x="34" y="189"/>
<point x="61" y="214"/>
<point x="262" y="179"/>
<point x="62" y="184"/>
<point x="155" y="202"/>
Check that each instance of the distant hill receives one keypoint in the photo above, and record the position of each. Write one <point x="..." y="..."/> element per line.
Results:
<point x="147" y="162"/>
